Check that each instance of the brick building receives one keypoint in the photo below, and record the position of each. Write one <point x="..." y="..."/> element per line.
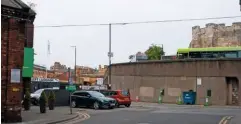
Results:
<point x="16" y="55"/>
<point x="40" y="72"/>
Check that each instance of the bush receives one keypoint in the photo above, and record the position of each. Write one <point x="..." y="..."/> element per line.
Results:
<point x="51" y="100"/>
<point x="42" y="102"/>
<point x="27" y="100"/>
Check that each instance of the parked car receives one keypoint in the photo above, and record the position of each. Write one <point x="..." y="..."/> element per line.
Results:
<point x="91" y="99"/>
<point x="122" y="97"/>
<point x="36" y="95"/>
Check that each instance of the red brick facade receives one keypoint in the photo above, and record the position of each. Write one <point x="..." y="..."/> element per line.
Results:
<point x="13" y="41"/>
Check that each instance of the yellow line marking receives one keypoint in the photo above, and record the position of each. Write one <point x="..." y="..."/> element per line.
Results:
<point x="225" y="122"/>
<point x="83" y="116"/>
<point x="229" y="117"/>
<point x="86" y="116"/>
<point x="221" y="122"/>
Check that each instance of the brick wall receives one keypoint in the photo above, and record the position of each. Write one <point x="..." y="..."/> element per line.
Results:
<point x="12" y="54"/>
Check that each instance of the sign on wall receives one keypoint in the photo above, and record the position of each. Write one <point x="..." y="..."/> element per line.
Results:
<point x="199" y="81"/>
<point x="99" y="81"/>
<point x="15" y="76"/>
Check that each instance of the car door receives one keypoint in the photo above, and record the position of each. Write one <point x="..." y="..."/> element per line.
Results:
<point x="79" y="98"/>
<point x="88" y="99"/>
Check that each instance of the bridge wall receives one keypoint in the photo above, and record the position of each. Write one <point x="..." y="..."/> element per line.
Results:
<point x="145" y="79"/>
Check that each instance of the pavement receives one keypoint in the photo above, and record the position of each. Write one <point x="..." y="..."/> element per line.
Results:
<point x="57" y="116"/>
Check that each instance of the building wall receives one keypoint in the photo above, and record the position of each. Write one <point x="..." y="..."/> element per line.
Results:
<point x="216" y="35"/>
<point x="145" y="79"/>
<point x="12" y="53"/>
<point x="58" y="67"/>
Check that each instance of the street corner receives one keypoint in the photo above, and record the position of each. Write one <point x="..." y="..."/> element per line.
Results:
<point x="225" y="120"/>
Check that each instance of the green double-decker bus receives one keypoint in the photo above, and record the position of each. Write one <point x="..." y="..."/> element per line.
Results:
<point x="210" y="52"/>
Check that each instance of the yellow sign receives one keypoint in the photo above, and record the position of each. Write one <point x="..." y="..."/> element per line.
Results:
<point x="16" y="89"/>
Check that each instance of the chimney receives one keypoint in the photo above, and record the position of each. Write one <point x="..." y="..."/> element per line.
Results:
<point x="99" y="67"/>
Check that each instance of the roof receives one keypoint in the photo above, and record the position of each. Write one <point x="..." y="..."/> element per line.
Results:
<point x="186" y="50"/>
<point x="17" y="4"/>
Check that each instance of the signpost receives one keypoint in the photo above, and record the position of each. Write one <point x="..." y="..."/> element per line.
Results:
<point x="71" y="88"/>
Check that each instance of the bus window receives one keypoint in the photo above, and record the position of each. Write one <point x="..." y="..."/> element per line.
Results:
<point x="182" y="56"/>
<point x="239" y="54"/>
<point x="195" y="55"/>
<point x="231" y="55"/>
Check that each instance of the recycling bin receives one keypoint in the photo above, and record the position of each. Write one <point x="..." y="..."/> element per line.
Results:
<point x="189" y="97"/>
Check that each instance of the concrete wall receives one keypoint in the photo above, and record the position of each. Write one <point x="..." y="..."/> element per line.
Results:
<point x="145" y="79"/>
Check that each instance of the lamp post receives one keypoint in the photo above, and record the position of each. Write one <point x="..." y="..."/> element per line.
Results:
<point x="110" y="54"/>
<point x="74" y="62"/>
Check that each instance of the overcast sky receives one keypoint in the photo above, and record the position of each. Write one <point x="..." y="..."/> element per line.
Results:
<point x="92" y="42"/>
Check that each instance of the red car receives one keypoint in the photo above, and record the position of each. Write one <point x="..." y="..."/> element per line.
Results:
<point x="121" y="96"/>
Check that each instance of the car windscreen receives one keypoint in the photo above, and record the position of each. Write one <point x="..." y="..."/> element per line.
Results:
<point x="96" y="94"/>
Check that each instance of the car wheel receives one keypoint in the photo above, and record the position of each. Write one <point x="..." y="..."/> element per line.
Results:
<point x="73" y="104"/>
<point x="128" y="105"/>
<point x="96" y="105"/>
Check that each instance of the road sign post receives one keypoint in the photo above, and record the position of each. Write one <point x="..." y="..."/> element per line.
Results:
<point x="70" y="88"/>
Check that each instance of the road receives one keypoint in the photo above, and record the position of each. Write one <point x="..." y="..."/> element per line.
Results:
<point x="160" y="115"/>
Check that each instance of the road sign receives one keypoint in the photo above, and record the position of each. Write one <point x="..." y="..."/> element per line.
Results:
<point x="99" y="81"/>
<point x="70" y="81"/>
<point x="70" y="88"/>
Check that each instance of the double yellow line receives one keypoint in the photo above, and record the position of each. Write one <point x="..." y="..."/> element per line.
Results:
<point x="225" y="120"/>
<point x="85" y="116"/>
<point x="81" y="117"/>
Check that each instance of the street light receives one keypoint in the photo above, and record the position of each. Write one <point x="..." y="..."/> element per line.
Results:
<point x="110" y="54"/>
<point x="74" y="62"/>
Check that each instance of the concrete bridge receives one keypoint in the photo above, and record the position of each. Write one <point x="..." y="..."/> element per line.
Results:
<point x="220" y="77"/>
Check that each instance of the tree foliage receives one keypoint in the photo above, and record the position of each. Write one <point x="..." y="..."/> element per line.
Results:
<point x="155" y="52"/>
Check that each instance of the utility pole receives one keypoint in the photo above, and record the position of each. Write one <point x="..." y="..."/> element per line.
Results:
<point x="110" y="54"/>
<point x="48" y="53"/>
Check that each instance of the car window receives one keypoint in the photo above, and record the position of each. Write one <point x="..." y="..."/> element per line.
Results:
<point x="96" y="94"/>
<point x="125" y="93"/>
<point x="81" y="94"/>
<point x="106" y="93"/>
<point x="112" y="93"/>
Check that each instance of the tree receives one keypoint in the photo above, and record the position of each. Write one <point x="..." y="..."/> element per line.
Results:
<point x="155" y="52"/>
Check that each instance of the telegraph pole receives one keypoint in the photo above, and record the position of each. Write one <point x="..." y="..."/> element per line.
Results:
<point x="110" y="54"/>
